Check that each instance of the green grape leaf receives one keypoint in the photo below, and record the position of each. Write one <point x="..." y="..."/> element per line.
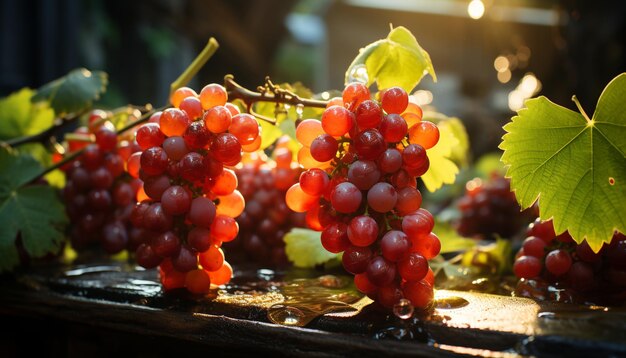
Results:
<point x="397" y="60"/>
<point x="55" y="178"/>
<point x="575" y="166"/>
<point x="451" y="241"/>
<point x="19" y="117"/>
<point x="442" y="169"/>
<point x="269" y="134"/>
<point x="304" y="248"/>
<point x="73" y="92"/>
<point x="34" y="211"/>
<point x="460" y="152"/>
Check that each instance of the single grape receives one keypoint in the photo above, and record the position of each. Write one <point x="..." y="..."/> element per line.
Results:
<point x="420" y="293"/>
<point x="202" y="212"/>
<point x="362" y="231"/>
<point x="324" y="148"/>
<point x="174" y="122"/>
<point x="336" y="121"/>
<point x="394" y="245"/>
<point x="413" y="267"/>
<point x="381" y="272"/>
<point x="355" y="259"/>
<point x="527" y="267"/>
<point x="346" y="198"/>
<point x="363" y="174"/>
<point x="393" y="128"/>
<point x="354" y="94"/>
<point x="213" y="95"/>
<point x="394" y="100"/>
<point x="382" y="197"/>
<point x="425" y="134"/>
<point x="558" y="262"/>
<point x="368" y="114"/>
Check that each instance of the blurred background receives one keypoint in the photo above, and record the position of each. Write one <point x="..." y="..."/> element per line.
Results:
<point x="489" y="55"/>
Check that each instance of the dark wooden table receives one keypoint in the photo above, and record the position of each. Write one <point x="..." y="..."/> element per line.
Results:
<point x="112" y="309"/>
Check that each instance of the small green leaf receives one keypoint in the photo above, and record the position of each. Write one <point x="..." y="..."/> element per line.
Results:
<point x="451" y="241"/>
<point x="74" y="92"/>
<point x="442" y="169"/>
<point x="575" y="166"/>
<point x="459" y="153"/>
<point x="34" y="211"/>
<point x="19" y="117"/>
<point x="397" y="60"/>
<point x="55" y="178"/>
<point x="304" y="248"/>
<point x="269" y="134"/>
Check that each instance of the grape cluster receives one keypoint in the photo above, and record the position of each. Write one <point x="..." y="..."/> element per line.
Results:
<point x="99" y="195"/>
<point x="548" y="260"/>
<point x="489" y="209"/>
<point x="190" y="193"/>
<point x="266" y="218"/>
<point x="359" y="190"/>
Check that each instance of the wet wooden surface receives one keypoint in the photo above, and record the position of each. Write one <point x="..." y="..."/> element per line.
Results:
<point x="125" y="302"/>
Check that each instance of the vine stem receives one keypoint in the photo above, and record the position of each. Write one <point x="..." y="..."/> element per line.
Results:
<point x="580" y="108"/>
<point x="196" y="65"/>
<point x="268" y="93"/>
<point x="59" y="124"/>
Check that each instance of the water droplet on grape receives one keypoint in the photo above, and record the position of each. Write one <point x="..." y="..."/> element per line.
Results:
<point x="403" y="309"/>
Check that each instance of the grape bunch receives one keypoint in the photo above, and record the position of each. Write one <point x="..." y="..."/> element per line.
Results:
<point x="191" y="200"/>
<point x="266" y="218"/>
<point x="549" y="263"/>
<point x="489" y="209"/>
<point x="99" y="194"/>
<point x="359" y="190"/>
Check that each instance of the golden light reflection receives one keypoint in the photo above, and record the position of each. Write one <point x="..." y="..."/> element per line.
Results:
<point x="422" y="97"/>
<point x="529" y="84"/>
<point x="516" y="100"/>
<point x="476" y="9"/>
<point x="501" y="64"/>
<point x="473" y="184"/>
<point x="504" y="77"/>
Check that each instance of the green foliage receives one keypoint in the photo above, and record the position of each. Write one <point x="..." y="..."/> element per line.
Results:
<point x="19" y="117"/>
<point x="397" y="60"/>
<point x="442" y="169"/>
<point x="574" y="165"/>
<point x="34" y="211"/>
<point x="304" y="248"/>
<point x="451" y="241"/>
<point x="495" y="257"/>
<point x="73" y="92"/>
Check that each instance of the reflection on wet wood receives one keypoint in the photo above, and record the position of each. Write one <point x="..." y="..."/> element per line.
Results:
<point x="124" y="298"/>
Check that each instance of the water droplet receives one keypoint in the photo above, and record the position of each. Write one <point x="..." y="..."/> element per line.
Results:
<point x="265" y="274"/>
<point x="403" y="309"/>
<point x="358" y="74"/>
<point x="451" y="302"/>
<point x="286" y="315"/>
